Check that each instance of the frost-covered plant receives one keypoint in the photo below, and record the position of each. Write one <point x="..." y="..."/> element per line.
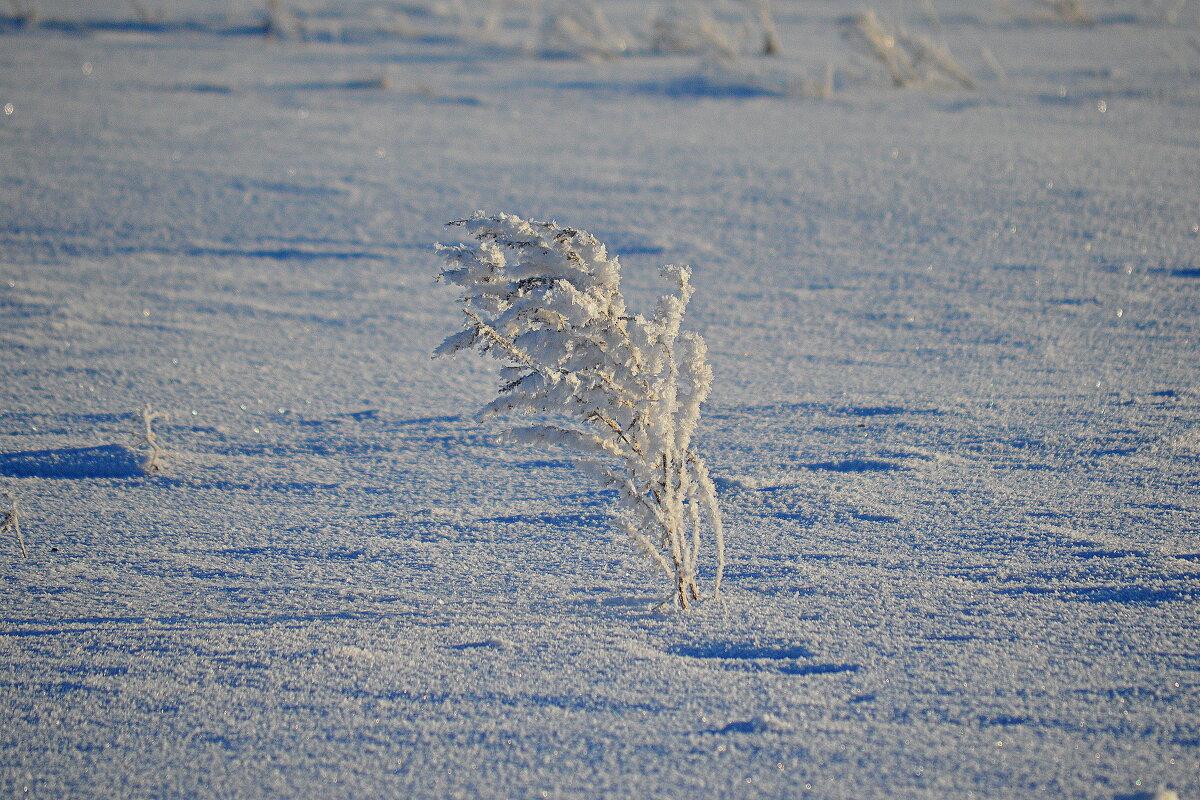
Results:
<point x="690" y="29"/>
<point x="11" y="521"/>
<point x="910" y="59"/>
<point x="622" y="390"/>
<point x="152" y="452"/>
<point x="282" y="23"/>
<point x="581" y="29"/>
<point x="480" y="20"/>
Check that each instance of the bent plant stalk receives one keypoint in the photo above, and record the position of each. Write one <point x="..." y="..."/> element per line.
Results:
<point x="622" y="390"/>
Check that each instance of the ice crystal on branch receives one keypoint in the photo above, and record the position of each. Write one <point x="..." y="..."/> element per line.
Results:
<point x="622" y="390"/>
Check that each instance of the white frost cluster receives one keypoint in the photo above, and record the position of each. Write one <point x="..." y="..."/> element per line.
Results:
<point x="621" y="389"/>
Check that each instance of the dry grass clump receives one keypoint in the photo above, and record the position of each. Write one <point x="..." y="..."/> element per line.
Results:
<point x="910" y="59"/>
<point x="581" y="30"/>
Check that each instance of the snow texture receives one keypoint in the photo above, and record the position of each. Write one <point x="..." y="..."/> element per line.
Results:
<point x="954" y="425"/>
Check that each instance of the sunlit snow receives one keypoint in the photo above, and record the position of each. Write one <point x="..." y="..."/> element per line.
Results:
<point x="954" y="426"/>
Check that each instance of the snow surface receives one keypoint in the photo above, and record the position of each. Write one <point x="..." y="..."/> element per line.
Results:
<point x="955" y="423"/>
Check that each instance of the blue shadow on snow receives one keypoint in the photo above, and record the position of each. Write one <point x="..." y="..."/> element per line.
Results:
<point x="104" y="461"/>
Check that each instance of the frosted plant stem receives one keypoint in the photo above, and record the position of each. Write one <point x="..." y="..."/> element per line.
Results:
<point x="652" y="552"/>
<point x="16" y="526"/>
<point x="709" y="492"/>
<point x="154" y="451"/>
<point x="694" y="519"/>
<point x="673" y="520"/>
<point x="12" y="519"/>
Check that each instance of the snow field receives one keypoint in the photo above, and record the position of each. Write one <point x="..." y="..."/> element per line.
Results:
<point x="953" y="426"/>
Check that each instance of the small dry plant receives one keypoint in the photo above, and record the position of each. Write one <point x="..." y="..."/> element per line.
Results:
<point x="11" y="521"/>
<point x="1068" y="10"/>
<point x="581" y="30"/>
<point x="620" y="389"/>
<point x="910" y="59"/>
<point x="690" y="29"/>
<point x="147" y="440"/>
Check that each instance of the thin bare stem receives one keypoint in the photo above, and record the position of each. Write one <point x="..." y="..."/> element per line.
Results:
<point x="12" y="521"/>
